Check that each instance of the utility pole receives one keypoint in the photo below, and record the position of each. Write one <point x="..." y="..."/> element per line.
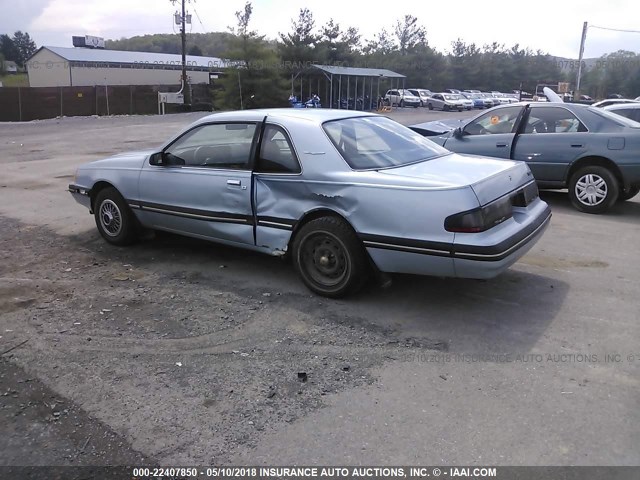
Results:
<point x="183" y="34"/>
<point x="576" y="96"/>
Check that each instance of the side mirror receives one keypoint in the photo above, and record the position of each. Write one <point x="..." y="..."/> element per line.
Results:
<point x="457" y="133"/>
<point x="156" y="159"/>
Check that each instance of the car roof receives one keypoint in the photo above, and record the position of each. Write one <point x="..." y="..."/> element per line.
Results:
<point x="314" y="115"/>
<point x="621" y="106"/>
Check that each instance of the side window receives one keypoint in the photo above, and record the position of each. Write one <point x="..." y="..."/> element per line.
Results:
<point x="220" y="145"/>
<point x="553" y="120"/>
<point x="276" y="153"/>
<point x="497" y="121"/>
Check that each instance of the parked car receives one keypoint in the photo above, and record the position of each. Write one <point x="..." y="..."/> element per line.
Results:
<point x="488" y="96"/>
<point x="467" y="102"/>
<point x="325" y="188"/>
<point x="523" y="94"/>
<point x="612" y="101"/>
<point x="401" y="98"/>
<point x="447" y="101"/>
<point x="629" y="110"/>
<point x="452" y="90"/>
<point x="422" y="93"/>
<point x="502" y="99"/>
<point x="478" y="100"/>
<point x="590" y="151"/>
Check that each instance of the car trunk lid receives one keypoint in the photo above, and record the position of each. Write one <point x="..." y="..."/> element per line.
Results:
<point x="488" y="177"/>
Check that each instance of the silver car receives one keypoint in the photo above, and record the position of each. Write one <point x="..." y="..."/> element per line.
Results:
<point x="344" y="194"/>
<point x="402" y="98"/>
<point x="448" y="101"/>
<point x="629" y="110"/>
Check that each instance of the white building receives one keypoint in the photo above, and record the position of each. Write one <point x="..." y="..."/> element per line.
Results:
<point x="63" y="67"/>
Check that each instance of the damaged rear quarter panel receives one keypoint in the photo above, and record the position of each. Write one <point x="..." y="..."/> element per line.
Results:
<point x="372" y="202"/>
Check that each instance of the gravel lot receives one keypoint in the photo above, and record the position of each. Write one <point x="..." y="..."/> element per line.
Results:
<point x="180" y="352"/>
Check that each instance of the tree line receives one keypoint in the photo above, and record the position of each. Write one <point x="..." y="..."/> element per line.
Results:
<point x="270" y="64"/>
<point x="17" y="48"/>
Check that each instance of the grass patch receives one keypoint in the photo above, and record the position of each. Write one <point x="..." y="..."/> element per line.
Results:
<point x="15" y="80"/>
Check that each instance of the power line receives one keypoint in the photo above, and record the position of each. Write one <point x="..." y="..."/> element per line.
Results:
<point x="198" y="17"/>
<point x="615" y="29"/>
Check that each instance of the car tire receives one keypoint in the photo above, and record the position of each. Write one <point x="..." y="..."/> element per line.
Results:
<point x="628" y="193"/>
<point x="430" y="106"/>
<point x="329" y="257"/>
<point x="401" y="103"/>
<point x="115" y="221"/>
<point x="593" y="189"/>
<point x="445" y="108"/>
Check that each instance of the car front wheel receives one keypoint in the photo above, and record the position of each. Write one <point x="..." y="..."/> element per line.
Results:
<point x="329" y="257"/>
<point x="593" y="189"/>
<point x="115" y="221"/>
<point x="430" y="106"/>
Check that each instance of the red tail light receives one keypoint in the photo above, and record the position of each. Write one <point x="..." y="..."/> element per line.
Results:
<point x="481" y="218"/>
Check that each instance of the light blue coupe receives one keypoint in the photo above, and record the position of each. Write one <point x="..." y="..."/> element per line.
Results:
<point x="344" y="194"/>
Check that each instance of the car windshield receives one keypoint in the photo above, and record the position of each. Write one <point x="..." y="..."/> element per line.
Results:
<point x="452" y="97"/>
<point x="371" y="143"/>
<point x="619" y="119"/>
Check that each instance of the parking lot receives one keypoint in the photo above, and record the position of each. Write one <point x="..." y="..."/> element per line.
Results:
<point x="181" y="352"/>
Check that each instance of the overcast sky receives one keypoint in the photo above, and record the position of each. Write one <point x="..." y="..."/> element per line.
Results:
<point x="554" y="29"/>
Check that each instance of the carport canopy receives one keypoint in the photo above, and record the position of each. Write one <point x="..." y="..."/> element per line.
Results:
<point x="359" y="72"/>
<point x="331" y="71"/>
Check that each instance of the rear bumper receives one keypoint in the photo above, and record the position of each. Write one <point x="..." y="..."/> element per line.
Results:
<point x="491" y="256"/>
<point x="81" y="195"/>
<point x="472" y="255"/>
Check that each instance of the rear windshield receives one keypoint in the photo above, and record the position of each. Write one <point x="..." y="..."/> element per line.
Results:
<point x="371" y="143"/>
<point x="619" y="119"/>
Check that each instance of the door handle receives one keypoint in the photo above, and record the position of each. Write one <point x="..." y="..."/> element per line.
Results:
<point x="576" y="145"/>
<point x="502" y="144"/>
<point x="234" y="183"/>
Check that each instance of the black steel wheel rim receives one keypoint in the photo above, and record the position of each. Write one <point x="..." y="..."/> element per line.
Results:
<point x="324" y="259"/>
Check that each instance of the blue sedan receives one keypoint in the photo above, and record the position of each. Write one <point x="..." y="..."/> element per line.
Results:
<point x="593" y="153"/>
<point x="343" y="194"/>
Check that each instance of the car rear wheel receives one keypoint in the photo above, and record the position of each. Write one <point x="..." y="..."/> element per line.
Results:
<point x="430" y="106"/>
<point x="114" y="219"/>
<point x="593" y="189"/>
<point x="629" y="193"/>
<point x="329" y="257"/>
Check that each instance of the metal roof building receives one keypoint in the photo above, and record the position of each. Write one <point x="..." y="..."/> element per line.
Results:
<point x="360" y="88"/>
<point x="61" y="66"/>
